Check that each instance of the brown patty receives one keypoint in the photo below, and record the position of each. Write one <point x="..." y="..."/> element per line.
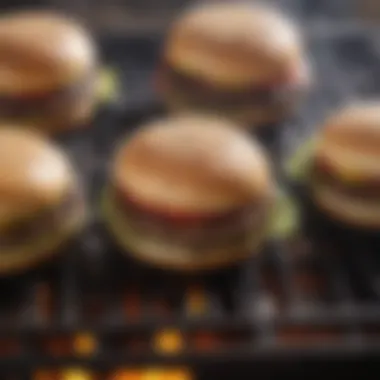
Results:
<point x="203" y="92"/>
<point x="46" y="222"/>
<point x="46" y="103"/>
<point x="369" y="188"/>
<point x="195" y="232"/>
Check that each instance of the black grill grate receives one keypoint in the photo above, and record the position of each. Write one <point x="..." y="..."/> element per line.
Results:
<point x="302" y="301"/>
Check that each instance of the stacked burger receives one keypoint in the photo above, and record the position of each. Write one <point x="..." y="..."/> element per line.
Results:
<point x="48" y="71"/>
<point x="345" y="168"/>
<point x="189" y="193"/>
<point x="240" y="60"/>
<point x="41" y="202"/>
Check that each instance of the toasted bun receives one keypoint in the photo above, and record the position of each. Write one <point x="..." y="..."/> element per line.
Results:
<point x="350" y="141"/>
<point x="34" y="175"/>
<point x="42" y="51"/>
<point x="192" y="164"/>
<point x="234" y="44"/>
<point x="349" y="210"/>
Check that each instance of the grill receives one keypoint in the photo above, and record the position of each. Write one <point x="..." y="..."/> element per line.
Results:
<point x="308" y="304"/>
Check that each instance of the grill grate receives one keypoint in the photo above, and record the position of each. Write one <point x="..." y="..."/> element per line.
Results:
<point x="301" y="300"/>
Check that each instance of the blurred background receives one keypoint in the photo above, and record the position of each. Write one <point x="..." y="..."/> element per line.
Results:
<point x="299" y="315"/>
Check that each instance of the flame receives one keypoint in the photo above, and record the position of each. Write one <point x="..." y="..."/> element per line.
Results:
<point x="168" y="341"/>
<point x="196" y="302"/>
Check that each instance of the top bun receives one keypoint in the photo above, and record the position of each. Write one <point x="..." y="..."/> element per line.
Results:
<point x="34" y="174"/>
<point x="42" y="51"/>
<point x="233" y="44"/>
<point x="192" y="164"/>
<point x="350" y="139"/>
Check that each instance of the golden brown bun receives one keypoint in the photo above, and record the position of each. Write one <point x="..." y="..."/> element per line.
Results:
<point x="233" y="45"/>
<point x="34" y="175"/>
<point x="352" y="211"/>
<point x="42" y="51"/>
<point x="350" y="141"/>
<point x="193" y="164"/>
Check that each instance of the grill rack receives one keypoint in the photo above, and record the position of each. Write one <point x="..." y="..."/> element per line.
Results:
<point x="294" y="305"/>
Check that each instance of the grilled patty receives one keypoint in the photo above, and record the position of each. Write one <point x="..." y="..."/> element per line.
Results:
<point x="45" y="223"/>
<point x="46" y="103"/>
<point x="201" y="92"/>
<point x="368" y="188"/>
<point x="195" y="232"/>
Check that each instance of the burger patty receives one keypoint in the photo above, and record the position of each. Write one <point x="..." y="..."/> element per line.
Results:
<point x="203" y="92"/>
<point x="46" y="103"/>
<point x="47" y="222"/>
<point x="195" y="233"/>
<point x="368" y="188"/>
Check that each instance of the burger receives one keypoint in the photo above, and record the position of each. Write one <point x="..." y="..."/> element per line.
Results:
<point x="48" y="75"/>
<point x="345" y="171"/>
<point x="189" y="192"/>
<point x="41" y="202"/>
<point x="242" y="61"/>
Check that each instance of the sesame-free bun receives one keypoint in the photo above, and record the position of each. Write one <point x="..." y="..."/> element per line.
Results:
<point x="41" y="51"/>
<point x="350" y="141"/>
<point x="234" y="44"/>
<point x="192" y="164"/>
<point x="34" y="174"/>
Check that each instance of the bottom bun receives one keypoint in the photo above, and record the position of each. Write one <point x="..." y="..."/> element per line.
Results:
<point x="167" y="255"/>
<point x="349" y="210"/>
<point x="21" y="258"/>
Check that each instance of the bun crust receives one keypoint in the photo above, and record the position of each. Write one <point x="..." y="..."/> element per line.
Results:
<point x="350" y="141"/>
<point x="356" y="126"/>
<point x="34" y="175"/>
<point x="234" y="44"/>
<point x="192" y="164"/>
<point x="349" y="210"/>
<point x="42" y="51"/>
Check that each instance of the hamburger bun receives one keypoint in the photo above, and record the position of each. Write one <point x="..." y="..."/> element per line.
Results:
<point x="189" y="176"/>
<point x="193" y="164"/>
<point x="234" y="44"/>
<point x="41" y="51"/>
